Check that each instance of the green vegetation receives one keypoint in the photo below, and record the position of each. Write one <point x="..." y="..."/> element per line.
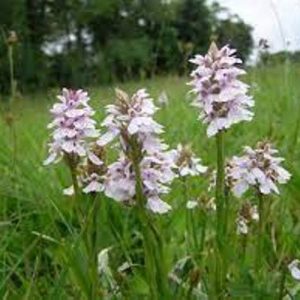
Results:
<point x="42" y="250"/>
<point x="77" y="42"/>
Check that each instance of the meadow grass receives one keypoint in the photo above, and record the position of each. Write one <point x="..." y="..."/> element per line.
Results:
<point x="42" y="252"/>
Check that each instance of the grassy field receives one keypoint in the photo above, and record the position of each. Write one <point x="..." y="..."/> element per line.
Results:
<point x="41" y="251"/>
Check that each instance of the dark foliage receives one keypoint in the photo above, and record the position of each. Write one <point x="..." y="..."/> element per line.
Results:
<point x="76" y="42"/>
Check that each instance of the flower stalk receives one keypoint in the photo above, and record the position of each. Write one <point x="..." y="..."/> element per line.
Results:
<point x="192" y="241"/>
<point x="72" y="162"/>
<point x="188" y="165"/>
<point x="220" y="196"/>
<point x="93" y="236"/>
<point x="73" y="171"/>
<point x="153" y="247"/>
<point x="11" y="72"/>
<point x="223" y="100"/>
<point x="260" y="237"/>
<point x="220" y="184"/>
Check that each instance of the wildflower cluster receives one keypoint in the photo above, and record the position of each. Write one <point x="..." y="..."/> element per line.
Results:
<point x="73" y="128"/>
<point x="90" y="176"/>
<point x="131" y="120"/>
<point x="73" y="138"/>
<point x="259" y="168"/>
<point x="220" y="96"/>
<point x="187" y="163"/>
<point x="145" y="166"/>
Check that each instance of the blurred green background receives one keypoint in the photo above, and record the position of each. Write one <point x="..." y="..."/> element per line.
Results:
<point x="79" y="42"/>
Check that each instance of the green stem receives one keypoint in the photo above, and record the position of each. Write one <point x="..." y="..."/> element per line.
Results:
<point x="94" y="234"/>
<point x="259" y="250"/>
<point x="89" y="234"/>
<point x="244" y="246"/>
<point x="11" y="72"/>
<point x="194" y="232"/>
<point x="14" y="142"/>
<point x="226" y="212"/>
<point x="220" y="197"/>
<point x="71" y="161"/>
<point x="220" y="190"/>
<point x="153" y="244"/>
<point x="149" y="255"/>
<point x="192" y="241"/>
<point x="94" y="229"/>
<point x="75" y="181"/>
<point x="203" y="234"/>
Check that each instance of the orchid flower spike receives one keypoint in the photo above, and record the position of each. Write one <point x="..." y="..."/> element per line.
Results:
<point x="221" y="97"/>
<point x="187" y="162"/>
<point x="130" y="121"/>
<point x="73" y="127"/>
<point x="260" y="168"/>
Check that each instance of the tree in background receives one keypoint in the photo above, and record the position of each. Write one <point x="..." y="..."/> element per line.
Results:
<point x="194" y="26"/>
<point x="80" y="42"/>
<point x="194" y="23"/>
